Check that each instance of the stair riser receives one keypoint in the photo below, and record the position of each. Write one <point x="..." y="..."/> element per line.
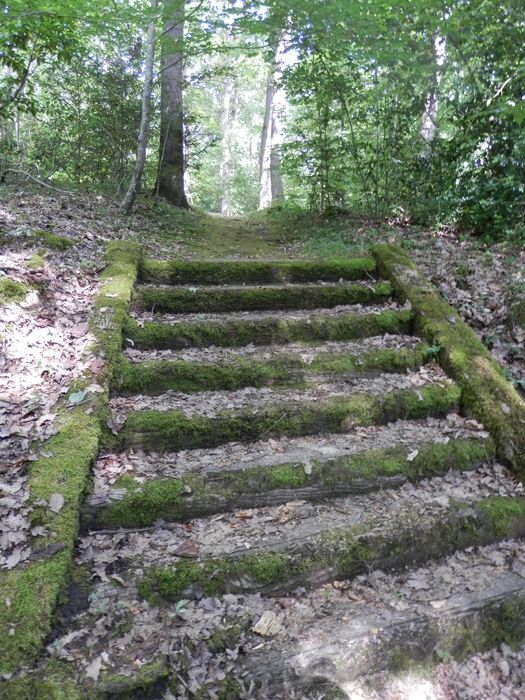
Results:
<point x="266" y="331"/>
<point x="216" y="300"/>
<point x="170" y="430"/>
<point x="199" y="273"/>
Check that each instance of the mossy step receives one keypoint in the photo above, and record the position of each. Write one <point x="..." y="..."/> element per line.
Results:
<point x="255" y="272"/>
<point x="343" y="552"/>
<point x="266" y="331"/>
<point x="134" y="504"/>
<point x="354" y="641"/>
<point x="182" y="300"/>
<point x="172" y="430"/>
<point x="156" y="376"/>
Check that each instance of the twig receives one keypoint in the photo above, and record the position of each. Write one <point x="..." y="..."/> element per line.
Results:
<point x="272" y="426"/>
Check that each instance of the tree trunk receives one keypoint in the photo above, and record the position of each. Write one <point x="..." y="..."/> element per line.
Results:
<point x="142" y="144"/>
<point x="270" y="175"/>
<point x="170" y="179"/>
<point x="427" y="131"/>
<point x="228" y="128"/>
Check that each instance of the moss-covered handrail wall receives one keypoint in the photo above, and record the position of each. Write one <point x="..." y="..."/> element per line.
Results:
<point x="30" y="591"/>
<point x="486" y="394"/>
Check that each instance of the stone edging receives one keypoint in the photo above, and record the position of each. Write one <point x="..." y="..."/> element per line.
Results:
<point x="29" y="592"/>
<point x="486" y="393"/>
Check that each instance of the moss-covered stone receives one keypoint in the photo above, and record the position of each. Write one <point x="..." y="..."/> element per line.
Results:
<point x="11" y="290"/>
<point x="32" y="589"/>
<point x="53" y="241"/>
<point x="112" y="304"/>
<point x="143" y="504"/>
<point x="156" y="376"/>
<point x="254" y="272"/>
<point x="265" y="331"/>
<point x="216" y="299"/>
<point x="172" y="430"/>
<point x="343" y="552"/>
<point x="486" y="393"/>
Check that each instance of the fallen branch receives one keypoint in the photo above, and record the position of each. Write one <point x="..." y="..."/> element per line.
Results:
<point x="28" y="176"/>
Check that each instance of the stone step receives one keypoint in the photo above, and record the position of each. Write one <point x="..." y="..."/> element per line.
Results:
<point x="320" y="553"/>
<point x="276" y="549"/>
<point x="255" y="272"/>
<point x="266" y="329"/>
<point x="138" y="503"/>
<point x="180" y="300"/>
<point x="261" y="415"/>
<point x="156" y="376"/>
<point x="326" y="639"/>
<point x="306" y="351"/>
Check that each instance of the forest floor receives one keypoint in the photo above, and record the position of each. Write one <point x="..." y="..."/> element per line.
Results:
<point x="51" y="253"/>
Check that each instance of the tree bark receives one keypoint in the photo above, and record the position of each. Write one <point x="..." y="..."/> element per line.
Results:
<point x="142" y="143"/>
<point x="270" y="174"/>
<point x="170" y="179"/>
<point x="427" y="131"/>
<point x="228" y="128"/>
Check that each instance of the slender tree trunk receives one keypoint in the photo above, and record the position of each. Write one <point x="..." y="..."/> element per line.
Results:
<point x="142" y="143"/>
<point x="270" y="174"/>
<point x="228" y="128"/>
<point x="170" y="180"/>
<point x="427" y="131"/>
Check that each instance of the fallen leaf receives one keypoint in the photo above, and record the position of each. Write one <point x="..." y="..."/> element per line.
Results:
<point x="76" y="397"/>
<point x="93" y="669"/>
<point x="79" y="330"/>
<point x="56" y="502"/>
<point x="187" y="549"/>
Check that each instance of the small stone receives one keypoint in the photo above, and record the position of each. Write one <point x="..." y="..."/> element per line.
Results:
<point x="268" y="625"/>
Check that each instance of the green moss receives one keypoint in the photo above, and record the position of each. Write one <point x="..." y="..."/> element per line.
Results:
<point x="36" y="262"/>
<point x="34" y="588"/>
<point x="216" y="299"/>
<point x="267" y="330"/>
<point x="224" y="638"/>
<point x="254" y="272"/>
<point x="112" y="304"/>
<point x="172" y="430"/>
<point x="156" y="376"/>
<point x="287" y="476"/>
<point x="486" y="393"/>
<point x="52" y="241"/>
<point x="11" y="290"/>
<point x="503" y="513"/>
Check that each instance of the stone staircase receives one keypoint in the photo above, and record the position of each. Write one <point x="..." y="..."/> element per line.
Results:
<point x="289" y="498"/>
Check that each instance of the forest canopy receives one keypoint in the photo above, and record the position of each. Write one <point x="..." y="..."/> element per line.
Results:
<point x="412" y="109"/>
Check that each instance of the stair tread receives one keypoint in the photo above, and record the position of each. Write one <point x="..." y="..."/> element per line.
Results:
<point x="310" y="628"/>
<point x="275" y="451"/>
<point x="211" y="403"/>
<point x="305" y="351"/>
<point x="285" y="314"/>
